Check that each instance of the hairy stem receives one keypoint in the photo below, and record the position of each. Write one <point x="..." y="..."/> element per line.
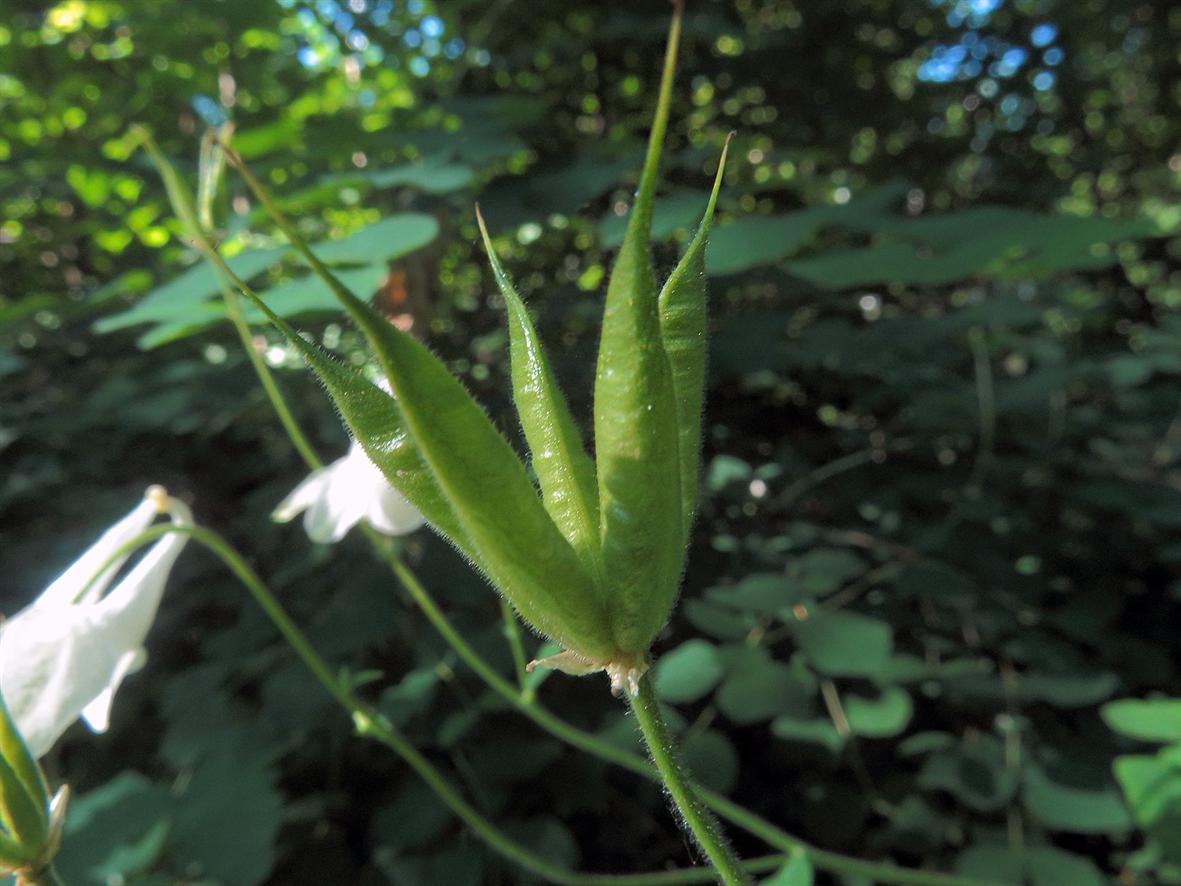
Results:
<point x="372" y="724"/>
<point x="265" y="377"/>
<point x="696" y="817"/>
<point x="512" y="633"/>
<point x="528" y="706"/>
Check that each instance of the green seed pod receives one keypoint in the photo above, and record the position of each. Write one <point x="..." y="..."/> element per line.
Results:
<point x="564" y="470"/>
<point x="24" y="766"/>
<point x="682" y="329"/>
<point x="376" y="422"/>
<point x="179" y="194"/>
<point x="499" y="520"/>
<point x="595" y="561"/>
<point x="23" y="819"/>
<point x="636" y="437"/>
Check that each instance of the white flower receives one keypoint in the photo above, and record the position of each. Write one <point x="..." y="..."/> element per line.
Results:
<point x="64" y="655"/>
<point x="351" y="489"/>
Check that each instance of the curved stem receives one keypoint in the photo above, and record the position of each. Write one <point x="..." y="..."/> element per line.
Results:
<point x="371" y="723"/>
<point x="586" y="741"/>
<point x="265" y="377"/>
<point x="551" y="723"/>
<point x="512" y="633"/>
<point x="666" y="756"/>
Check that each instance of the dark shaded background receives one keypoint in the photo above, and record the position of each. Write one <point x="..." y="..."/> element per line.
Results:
<point x="940" y="520"/>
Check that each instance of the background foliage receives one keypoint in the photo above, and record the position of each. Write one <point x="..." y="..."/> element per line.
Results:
<point x="938" y="546"/>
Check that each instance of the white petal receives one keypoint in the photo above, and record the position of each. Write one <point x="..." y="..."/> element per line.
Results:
<point x="390" y="513"/>
<point x="126" y="613"/>
<point x="67" y="586"/>
<point x="386" y="509"/>
<point x="55" y="661"/>
<point x="302" y="497"/>
<point x="97" y="713"/>
<point x="49" y="671"/>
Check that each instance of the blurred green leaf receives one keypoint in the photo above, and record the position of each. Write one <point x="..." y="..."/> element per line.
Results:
<point x="974" y="773"/>
<point x="115" y="830"/>
<point x="760" y="593"/>
<point x="882" y="717"/>
<point x="817" y="730"/>
<point x="227" y="820"/>
<point x="797" y="872"/>
<point x="1152" y="788"/>
<point x="390" y="238"/>
<point x="1154" y="719"/>
<point x="1064" y="808"/>
<point x="712" y="759"/>
<point x="757" y="688"/>
<point x="688" y="672"/>
<point x="843" y="644"/>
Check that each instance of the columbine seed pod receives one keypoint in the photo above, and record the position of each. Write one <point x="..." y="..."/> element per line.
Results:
<point x="593" y="562"/>
<point x="30" y="822"/>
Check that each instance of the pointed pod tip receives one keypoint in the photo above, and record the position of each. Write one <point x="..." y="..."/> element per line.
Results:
<point x="722" y="159"/>
<point x="483" y="228"/>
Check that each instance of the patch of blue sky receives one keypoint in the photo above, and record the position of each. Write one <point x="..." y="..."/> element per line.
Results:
<point x="1043" y="80"/>
<point x="1009" y="63"/>
<point x="212" y="113"/>
<point x="1043" y="34"/>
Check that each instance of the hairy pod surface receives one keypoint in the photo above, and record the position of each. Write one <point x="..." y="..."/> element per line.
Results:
<point x="594" y="558"/>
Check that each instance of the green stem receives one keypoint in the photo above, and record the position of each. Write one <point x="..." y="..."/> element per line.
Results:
<point x="372" y="724"/>
<point x="697" y="818"/>
<point x="265" y="377"/>
<point x="293" y="237"/>
<point x="525" y="704"/>
<point x="512" y="633"/>
<point x="582" y="740"/>
<point x="586" y="741"/>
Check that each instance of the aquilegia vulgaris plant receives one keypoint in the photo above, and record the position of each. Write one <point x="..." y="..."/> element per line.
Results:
<point x="593" y="560"/>
<point x="587" y="549"/>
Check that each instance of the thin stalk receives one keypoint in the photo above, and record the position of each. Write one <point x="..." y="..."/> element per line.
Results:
<point x="526" y="704"/>
<point x="697" y="818"/>
<point x="265" y="377"/>
<point x="372" y="724"/>
<point x="280" y="218"/>
<point x="512" y="633"/>
<point x="182" y="204"/>
<point x="588" y="742"/>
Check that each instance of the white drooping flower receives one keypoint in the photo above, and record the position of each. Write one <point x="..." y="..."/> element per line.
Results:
<point x="66" y="654"/>
<point x="336" y="498"/>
